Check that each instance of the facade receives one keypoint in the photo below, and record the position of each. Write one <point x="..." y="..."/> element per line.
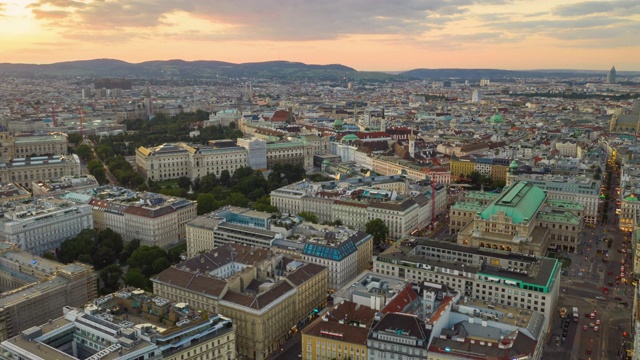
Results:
<point x="388" y="166"/>
<point x="522" y="220"/>
<point x="523" y="281"/>
<point x="34" y="289"/>
<point x="398" y="335"/>
<point x="402" y="204"/>
<point x="265" y="294"/>
<point x="41" y="227"/>
<point x="580" y="189"/>
<point x="153" y="219"/>
<point x="25" y="170"/>
<point x="127" y="325"/>
<point x="495" y="168"/>
<point x="340" y="333"/>
<point x="13" y="192"/>
<point x="171" y="161"/>
<point x="32" y="145"/>
<point x="567" y="148"/>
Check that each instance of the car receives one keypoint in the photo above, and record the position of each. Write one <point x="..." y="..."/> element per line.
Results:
<point x="610" y="272"/>
<point x="588" y="351"/>
<point x="604" y="289"/>
<point x="598" y="322"/>
<point x="592" y="315"/>
<point x="591" y="325"/>
<point x="564" y="333"/>
<point x="587" y="314"/>
<point x="585" y="327"/>
<point x="595" y="328"/>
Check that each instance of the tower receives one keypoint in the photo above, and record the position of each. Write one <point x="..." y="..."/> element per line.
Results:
<point x="147" y="103"/>
<point x="611" y="77"/>
<point x="412" y="144"/>
<point x="383" y="122"/>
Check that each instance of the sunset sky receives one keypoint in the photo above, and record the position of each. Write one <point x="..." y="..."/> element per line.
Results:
<point x="363" y="34"/>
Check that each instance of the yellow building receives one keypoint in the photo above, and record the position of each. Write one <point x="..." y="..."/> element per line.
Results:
<point x="341" y="333"/>
<point x="459" y="167"/>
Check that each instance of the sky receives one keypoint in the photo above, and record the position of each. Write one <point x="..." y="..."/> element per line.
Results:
<point x="368" y="35"/>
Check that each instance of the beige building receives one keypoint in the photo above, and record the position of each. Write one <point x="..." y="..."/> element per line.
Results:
<point x="522" y="220"/>
<point x="19" y="146"/>
<point x="26" y="170"/>
<point x="266" y="295"/>
<point x="151" y="218"/>
<point x="34" y="289"/>
<point x="13" y="192"/>
<point x="171" y="161"/>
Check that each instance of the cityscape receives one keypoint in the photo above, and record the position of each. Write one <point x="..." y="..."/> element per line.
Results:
<point x="459" y="193"/>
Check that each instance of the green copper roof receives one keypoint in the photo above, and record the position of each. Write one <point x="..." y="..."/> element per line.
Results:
<point x="519" y="202"/>
<point x="513" y="165"/>
<point x="497" y="118"/>
<point x="350" y="137"/>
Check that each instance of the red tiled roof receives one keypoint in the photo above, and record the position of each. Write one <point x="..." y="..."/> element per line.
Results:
<point x="403" y="299"/>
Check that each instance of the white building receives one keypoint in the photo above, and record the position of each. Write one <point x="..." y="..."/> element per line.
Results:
<point x="43" y="227"/>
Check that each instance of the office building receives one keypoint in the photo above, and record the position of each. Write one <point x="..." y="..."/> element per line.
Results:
<point x="35" y="289"/>
<point x="25" y="170"/>
<point x="611" y="76"/>
<point x="128" y="325"/>
<point x="58" y="187"/>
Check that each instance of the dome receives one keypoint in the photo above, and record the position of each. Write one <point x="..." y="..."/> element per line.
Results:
<point x="350" y="137"/>
<point x="513" y="165"/>
<point x="338" y="122"/>
<point x="496" y="119"/>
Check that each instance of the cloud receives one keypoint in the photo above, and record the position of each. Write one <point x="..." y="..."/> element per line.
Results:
<point x="620" y="7"/>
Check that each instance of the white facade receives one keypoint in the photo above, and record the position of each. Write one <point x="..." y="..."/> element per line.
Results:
<point x="43" y="228"/>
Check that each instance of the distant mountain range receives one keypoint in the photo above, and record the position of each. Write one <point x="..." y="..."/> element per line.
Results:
<point x="180" y="69"/>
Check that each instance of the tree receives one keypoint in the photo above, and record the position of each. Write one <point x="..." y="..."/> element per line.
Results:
<point x="184" y="182"/>
<point x="309" y="216"/>
<point x="74" y="138"/>
<point x="129" y="248"/>
<point x="206" y="203"/>
<point x="264" y="204"/>
<point x="149" y="259"/>
<point x="84" y="152"/>
<point x="110" y="277"/>
<point x="378" y="229"/>
<point x="134" y="277"/>
<point x="82" y="244"/>
<point x="225" y="178"/>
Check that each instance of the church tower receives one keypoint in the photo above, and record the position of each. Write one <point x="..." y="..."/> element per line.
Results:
<point x="412" y="144"/>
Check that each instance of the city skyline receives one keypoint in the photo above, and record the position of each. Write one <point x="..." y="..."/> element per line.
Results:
<point x="379" y="36"/>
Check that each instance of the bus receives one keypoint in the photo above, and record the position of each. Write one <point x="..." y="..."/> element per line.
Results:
<point x="576" y="314"/>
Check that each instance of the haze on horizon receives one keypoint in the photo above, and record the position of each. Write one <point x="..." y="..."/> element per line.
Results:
<point x="375" y="35"/>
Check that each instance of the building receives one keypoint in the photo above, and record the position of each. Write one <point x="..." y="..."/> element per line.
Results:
<point x="500" y="277"/>
<point x="25" y="170"/>
<point x="34" y="289"/>
<point x="626" y="122"/>
<point x="232" y="225"/>
<point x="127" y="325"/>
<point x="42" y="226"/>
<point x="340" y="333"/>
<point x="267" y="295"/>
<point x="403" y="205"/>
<point x="13" y="192"/>
<point x="495" y="168"/>
<point x="580" y="189"/>
<point x="522" y="220"/>
<point x="171" y="161"/>
<point x="57" y="188"/>
<point x="155" y="220"/>
<point x="611" y="76"/>
<point x="398" y="335"/>
<point x="22" y="146"/>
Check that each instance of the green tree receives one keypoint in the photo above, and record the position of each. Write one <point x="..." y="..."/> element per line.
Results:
<point x="82" y="244"/>
<point x="74" y="138"/>
<point x="378" y="229"/>
<point x="225" y="178"/>
<point x="237" y="199"/>
<point x="309" y="216"/>
<point x="134" y="277"/>
<point x="110" y="277"/>
<point x="149" y="259"/>
<point x="84" y="152"/>
<point x="184" y="182"/>
<point x="128" y="249"/>
<point x="264" y="204"/>
<point x="206" y="203"/>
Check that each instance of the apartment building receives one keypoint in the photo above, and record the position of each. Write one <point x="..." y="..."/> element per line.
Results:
<point x="156" y="220"/>
<point x="171" y="161"/>
<point x="25" y="170"/>
<point x="521" y="219"/>
<point x="495" y="168"/>
<point x="578" y="188"/>
<point x="42" y="226"/>
<point x="13" y="192"/>
<point x="128" y="325"/>
<point x="389" y="165"/>
<point x="266" y="295"/>
<point x="34" y="289"/>
<point x="398" y="335"/>
<point x="500" y="277"/>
